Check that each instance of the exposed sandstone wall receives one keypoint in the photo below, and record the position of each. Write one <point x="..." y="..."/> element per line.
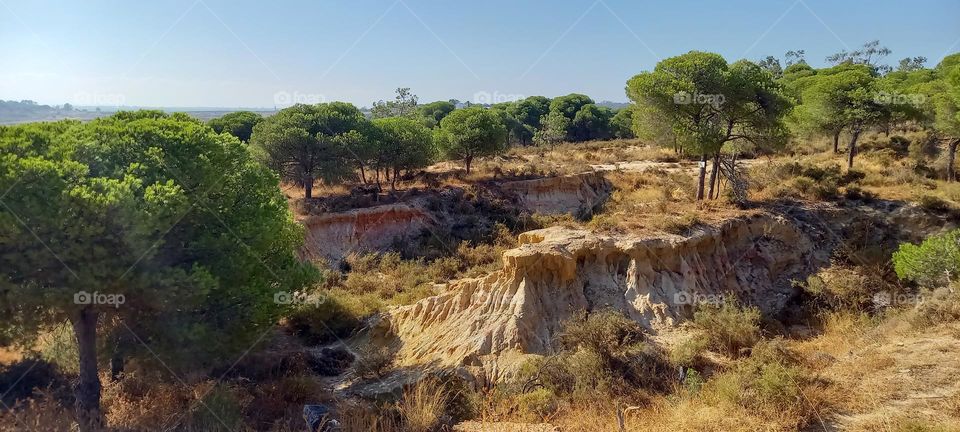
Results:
<point x="577" y="194"/>
<point x="489" y="324"/>
<point x="332" y="236"/>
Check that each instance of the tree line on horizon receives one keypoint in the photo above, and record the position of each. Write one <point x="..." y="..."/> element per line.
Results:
<point x="697" y="104"/>
<point x="335" y="142"/>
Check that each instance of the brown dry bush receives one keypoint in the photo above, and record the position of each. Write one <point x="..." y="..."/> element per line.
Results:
<point x="728" y="326"/>
<point x="423" y="405"/>
<point x="42" y="413"/>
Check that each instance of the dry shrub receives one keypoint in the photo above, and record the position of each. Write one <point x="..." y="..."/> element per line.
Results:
<point x="728" y="326"/>
<point x="138" y="404"/>
<point x="366" y="418"/>
<point x="937" y="307"/>
<point x="373" y="361"/>
<point x="422" y="408"/>
<point x="281" y="401"/>
<point x="135" y="403"/>
<point x="766" y="391"/>
<point x="687" y="352"/>
<point x="604" y="354"/>
<point x="677" y="224"/>
<point x="43" y="413"/>
<point x="846" y="287"/>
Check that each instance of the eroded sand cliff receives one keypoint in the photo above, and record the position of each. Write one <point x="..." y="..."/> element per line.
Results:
<point x="489" y="325"/>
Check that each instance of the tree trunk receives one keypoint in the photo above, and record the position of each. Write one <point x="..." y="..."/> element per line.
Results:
<point x="363" y="175"/>
<point x="951" y="158"/>
<point x="393" y="182"/>
<point x="836" y="142"/>
<point x="308" y="186"/>
<point x="853" y="148"/>
<point x="713" y="177"/>
<point x="116" y="364"/>
<point x="701" y="176"/>
<point x="466" y="161"/>
<point x="377" y="177"/>
<point x="87" y="390"/>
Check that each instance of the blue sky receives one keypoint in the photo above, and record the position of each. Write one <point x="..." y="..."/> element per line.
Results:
<point x="239" y="53"/>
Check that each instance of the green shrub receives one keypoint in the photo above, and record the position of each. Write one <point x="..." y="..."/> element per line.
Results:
<point x="60" y="348"/>
<point x="729" y="327"/>
<point x="693" y="382"/>
<point x="933" y="263"/>
<point x="608" y="334"/>
<point x="841" y="287"/>
<point x="337" y="316"/>
<point x="537" y="404"/>
<point x="768" y="380"/>
<point x="687" y="352"/>
<point x="602" y="353"/>
<point x="221" y="410"/>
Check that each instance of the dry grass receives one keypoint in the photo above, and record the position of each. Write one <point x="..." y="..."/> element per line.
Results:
<point x="423" y="405"/>
<point x="657" y="201"/>
<point x="41" y="414"/>
<point x="9" y="355"/>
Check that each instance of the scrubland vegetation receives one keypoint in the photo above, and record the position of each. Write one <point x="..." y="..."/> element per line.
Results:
<point x="144" y="253"/>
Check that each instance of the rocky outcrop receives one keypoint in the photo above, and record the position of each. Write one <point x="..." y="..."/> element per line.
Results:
<point x="490" y="324"/>
<point x="578" y="194"/>
<point x="332" y="236"/>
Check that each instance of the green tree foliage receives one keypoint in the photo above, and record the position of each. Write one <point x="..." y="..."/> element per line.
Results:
<point x="943" y="109"/>
<point x="708" y="103"/>
<point x="553" y="129"/>
<point x="772" y="65"/>
<point x="910" y="64"/>
<point x="591" y="122"/>
<point x="436" y="111"/>
<point x="515" y="129"/>
<point x="655" y="127"/>
<point x="844" y="96"/>
<point x="403" y="105"/>
<point x="137" y="221"/>
<point x="933" y="263"/>
<point x="402" y="144"/>
<point x="569" y="105"/>
<point x="308" y="142"/>
<point x="470" y="132"/>
<point x="901" y="92"/>
<point x="621" y="125"/>
<point x="239" y="124"/>
<point x="529" y="111"/>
